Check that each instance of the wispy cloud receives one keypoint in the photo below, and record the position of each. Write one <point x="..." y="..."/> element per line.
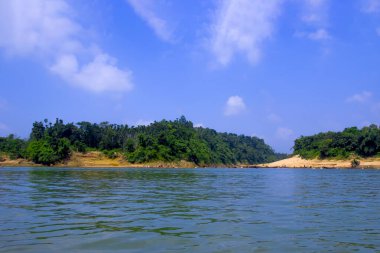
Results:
<point x="368" y="102"/>
<point x="320" y="34"/>
<point x="234" y="106"/>
<point x="315" y="17"/>
<point x="241" y="26"/>
<point x="272" y="117"/>
<point x="284" y="133"/>
<point x="371" y="6"/>
<point x="143" y="122"/>
<point x="147" y="10"/>
<point x="315" y="11"/>
<point x="360" y="97"/>
<point x="198" y="125"/>
<point x="317" y="35"/>
<point x="31" y="27"/>
<point x="47" y="30"/>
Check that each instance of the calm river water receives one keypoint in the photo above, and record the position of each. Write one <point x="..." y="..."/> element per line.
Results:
<point x="189" y="210"/>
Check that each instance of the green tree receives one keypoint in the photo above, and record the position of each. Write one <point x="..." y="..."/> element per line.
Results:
<point x="39" y="151"/>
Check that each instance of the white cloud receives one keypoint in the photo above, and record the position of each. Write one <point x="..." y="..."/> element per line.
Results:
<point x="147" y="10"/>
<point x="234" y="106"/>
<point x="46" y="29"/>
<point x="36" y="26"/>
<point x="142" y="122"/>
<point x="360" y="97"/>
<point x="315" y="15"/>
<point x="241" y="26"/>
<point x="284" y="133"/>
<point x="371" y="6"/>
<point x="274" y="118"/>
<point x="315" y="12"/>
<point x="320" y="34"/>
<point x="317" y="35"/>
<point x="198" y="125"/>
<point x="99" y="75"/>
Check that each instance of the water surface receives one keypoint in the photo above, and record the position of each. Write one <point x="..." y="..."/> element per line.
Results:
<point x="189" y="210"/>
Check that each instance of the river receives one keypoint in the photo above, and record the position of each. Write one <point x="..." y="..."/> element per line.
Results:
<point x="189" y="210"/>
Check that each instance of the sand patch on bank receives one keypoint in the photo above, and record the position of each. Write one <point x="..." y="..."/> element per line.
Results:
<point x="298" y="162"/>
<point x="96" y="159"/>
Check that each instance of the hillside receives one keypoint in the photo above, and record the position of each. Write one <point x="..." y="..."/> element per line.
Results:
<point x="350" y="143"/>
<point x="164" y="142"/>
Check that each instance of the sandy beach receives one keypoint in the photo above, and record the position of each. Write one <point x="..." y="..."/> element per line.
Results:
<point x="298" y="162"/>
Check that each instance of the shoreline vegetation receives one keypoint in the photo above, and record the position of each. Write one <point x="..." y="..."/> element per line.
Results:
<point x="96" y="159"/>
<point x="178" y="144"/>
<point x="165" y="143"/>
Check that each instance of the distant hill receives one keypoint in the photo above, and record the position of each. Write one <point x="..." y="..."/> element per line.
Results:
<point x="166" y="141"/>
<point x="351" y="142"/>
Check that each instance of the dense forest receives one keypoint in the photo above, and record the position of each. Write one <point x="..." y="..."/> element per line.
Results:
<point x="168" y="141"/>
<point x="351" y="142"/>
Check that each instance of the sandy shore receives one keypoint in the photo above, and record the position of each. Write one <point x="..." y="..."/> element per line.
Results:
<point x="97" y="159"/>
<point x="298" y="162"/>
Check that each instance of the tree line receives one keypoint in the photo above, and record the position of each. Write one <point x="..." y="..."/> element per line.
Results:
<point x="51" y="143"/>
<point x="364" y="142"/>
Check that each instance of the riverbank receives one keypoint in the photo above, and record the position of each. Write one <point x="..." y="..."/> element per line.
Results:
<point x="298" y="162"/>
<point x="96" y="159"/>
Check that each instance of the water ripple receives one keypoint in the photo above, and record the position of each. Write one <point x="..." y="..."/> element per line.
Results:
<point x="189" y="210"/>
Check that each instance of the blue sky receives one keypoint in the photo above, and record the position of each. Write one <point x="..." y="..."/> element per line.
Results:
<point x="276" y="69"/>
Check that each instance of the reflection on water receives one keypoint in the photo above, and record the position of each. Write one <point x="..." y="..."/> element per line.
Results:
<point x="189" y="210"/>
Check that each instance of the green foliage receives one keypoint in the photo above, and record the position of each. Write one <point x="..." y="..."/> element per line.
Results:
<point x="363" y="142"/>
<point x="112" y="154"/>
<point x="179" y="140"/>
<point x="13" y="147"/>
<point x="167" y="141"/>
<point x="129" y="145"/>
<point x="199" y="153"/>
<point x="38" y="131"/>
<point x="40" y="151"/>
<point x="52" y="143"/>
<point x="63" y="149"/>
<point x="44" y="151"/>
<point x="79" y="146"/>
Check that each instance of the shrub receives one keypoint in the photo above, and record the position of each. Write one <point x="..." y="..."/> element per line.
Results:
<point x="112" y="154"/>
<point x="355" y="163"/>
